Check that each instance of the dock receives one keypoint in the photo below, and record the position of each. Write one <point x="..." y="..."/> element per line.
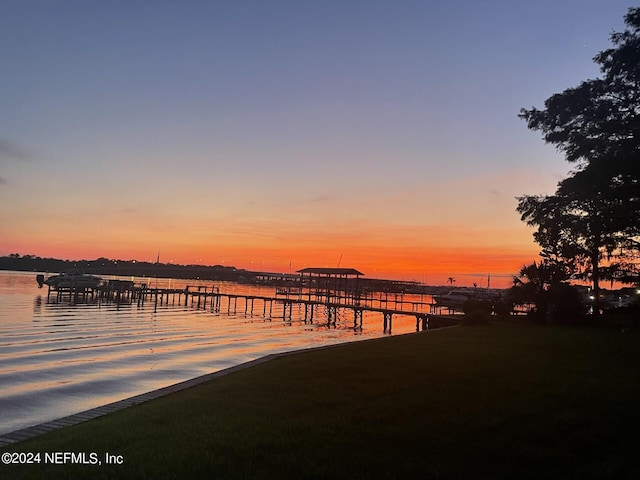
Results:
<point x="313" y="305"/>
<point x="323" y="293"/>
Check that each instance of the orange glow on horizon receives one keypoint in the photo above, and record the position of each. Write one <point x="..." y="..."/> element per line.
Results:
<point x="433" y="266"/>
<point x="423" y="253"/>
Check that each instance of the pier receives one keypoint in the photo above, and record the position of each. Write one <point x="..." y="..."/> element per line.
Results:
<point x="312" y="307"/>
<point x="327" y="294"/>
<point x="232" y="303"/>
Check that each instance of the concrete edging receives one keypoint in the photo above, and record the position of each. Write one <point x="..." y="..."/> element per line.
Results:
<point x="80" y="417"/>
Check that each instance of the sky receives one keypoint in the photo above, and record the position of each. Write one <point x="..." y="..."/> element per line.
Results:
<point x="276" y="135"/>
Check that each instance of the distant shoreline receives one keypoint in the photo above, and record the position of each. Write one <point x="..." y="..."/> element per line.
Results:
<point x="134" y="268"/>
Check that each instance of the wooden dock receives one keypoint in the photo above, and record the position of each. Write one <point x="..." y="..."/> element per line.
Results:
<point x="326" y="304"/>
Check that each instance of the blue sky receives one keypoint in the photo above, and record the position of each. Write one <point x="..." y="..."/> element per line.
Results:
<point x="266" y="124"/>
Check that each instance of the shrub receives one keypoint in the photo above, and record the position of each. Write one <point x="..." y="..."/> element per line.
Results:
<point x="476" y="312"/>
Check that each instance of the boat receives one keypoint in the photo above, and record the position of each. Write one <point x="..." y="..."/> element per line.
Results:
<point x="71" y="279"/>
<point x="451" y="300"/>
<point x="455" y="299"/>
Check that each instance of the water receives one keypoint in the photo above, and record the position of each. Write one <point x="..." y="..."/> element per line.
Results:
<point x="57" y="358"/>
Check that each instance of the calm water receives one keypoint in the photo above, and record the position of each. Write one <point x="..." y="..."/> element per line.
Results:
<point x="57" y="359"/>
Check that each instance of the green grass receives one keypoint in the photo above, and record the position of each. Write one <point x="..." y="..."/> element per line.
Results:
<point x="492" y="401"/>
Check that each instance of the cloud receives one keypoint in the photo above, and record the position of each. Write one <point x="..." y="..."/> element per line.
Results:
<point x="321" y="199"/>
<point x="13" y="151"/>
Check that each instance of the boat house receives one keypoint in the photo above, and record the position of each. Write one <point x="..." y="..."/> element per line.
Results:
<point x="333" y="283"/>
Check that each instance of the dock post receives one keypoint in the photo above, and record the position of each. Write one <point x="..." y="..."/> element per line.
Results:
<point x="332" y="313"/>
<point x="155" y="305"/>
<point x="284" y="310"/>
<point x="422" y="319"/>
<point x="246" y="305"/>
<point x="387" y="322"/>
<point x="212" y="301"/>
<point x="357" y="315"/>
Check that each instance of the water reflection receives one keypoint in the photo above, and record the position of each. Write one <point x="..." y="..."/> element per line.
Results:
<point x="59" y="357"/>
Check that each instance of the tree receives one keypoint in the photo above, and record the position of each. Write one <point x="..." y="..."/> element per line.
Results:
<point x="597" y="122"/>
<point x="580" y="230"/>
<point x="544" y="285"/>
<point x="593" y="219"/>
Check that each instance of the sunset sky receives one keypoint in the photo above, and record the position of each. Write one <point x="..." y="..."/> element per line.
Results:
<point x="275" y="135"/>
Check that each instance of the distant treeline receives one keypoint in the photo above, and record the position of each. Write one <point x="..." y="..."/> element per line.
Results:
<point x="134" y="268"/>
<point x="127" y="268"/>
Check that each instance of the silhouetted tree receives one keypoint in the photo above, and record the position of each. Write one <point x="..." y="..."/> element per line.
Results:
<point x="593" y="217"/>
<point x="544" y="285"/>
<point x="578" y="230"/>
<point x="530" y="284"/>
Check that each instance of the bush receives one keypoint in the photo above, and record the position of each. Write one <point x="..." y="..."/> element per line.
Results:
<point x="476" y="312"/>
<point x="503" y="307"/>
<point x="565" y="305"/>
<point x="561" y="304"/>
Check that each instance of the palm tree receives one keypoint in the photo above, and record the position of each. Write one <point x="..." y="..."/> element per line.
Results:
<point x="540" y="284"/>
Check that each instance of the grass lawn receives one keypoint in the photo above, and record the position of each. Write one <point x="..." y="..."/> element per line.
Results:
<point x="493" y="401"/>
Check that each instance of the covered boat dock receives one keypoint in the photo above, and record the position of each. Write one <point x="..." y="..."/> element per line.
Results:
<point x="332" y="284"/>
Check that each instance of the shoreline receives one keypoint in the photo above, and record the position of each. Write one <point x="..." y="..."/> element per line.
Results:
<point x="26" y="433"/>
<point x="133" y="351"/>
